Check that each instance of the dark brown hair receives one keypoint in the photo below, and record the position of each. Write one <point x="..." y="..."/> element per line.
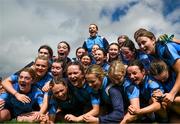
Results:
<point x="157" y="67"/>
<point x="66" y="44"/>
<point x="47" y="48"/>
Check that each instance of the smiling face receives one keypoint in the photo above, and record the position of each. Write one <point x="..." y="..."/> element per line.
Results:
<point x="80" y="52"/>
<point x="86" y="60"/>
<point x="146" y="44"/>
<point x="60" y="91"/>
<point x="113" y="51"/>
<point x="135" y="74"/>
<point x="117" y="72"/>
<point x="94" y="81"/>
<point x="127" y="53"/>
<point x="118" y="77"/>
<point x="56" y="69"/>
<point x="62" y="50"/>
<point x="44" y="52"/>
<point x="75" y="75"/>
<point x="93" y="30"/>
<point x="99" y="57"/>
<point x="41" y="67"/>
<point x="25" y="81"/>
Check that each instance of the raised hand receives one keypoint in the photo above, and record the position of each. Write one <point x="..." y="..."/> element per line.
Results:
<point x="46" y="87"/>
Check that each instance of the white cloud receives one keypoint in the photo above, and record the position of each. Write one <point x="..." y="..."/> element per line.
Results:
<point x="27" y="24"/>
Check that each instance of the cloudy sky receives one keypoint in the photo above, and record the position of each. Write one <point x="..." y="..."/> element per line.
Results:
<point x="27" y="24"/>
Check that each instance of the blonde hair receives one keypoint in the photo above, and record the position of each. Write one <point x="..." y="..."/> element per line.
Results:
<point x="116" y="66"/>
<point x="97" y="70"/>
<point x="42" y="58"/>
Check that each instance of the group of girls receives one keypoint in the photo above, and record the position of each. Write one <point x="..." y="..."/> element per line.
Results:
<point x="120" y="84"/>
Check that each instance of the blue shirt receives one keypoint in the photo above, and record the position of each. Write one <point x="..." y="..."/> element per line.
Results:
<point x="4" y="96"/>
<point x="131" y="89"/>
<point x="105" y="66"/>
<point x="18" y="107"/>
<point x="43" y="81"/>
<point x="168" y="52"/>
<point x="147" y="87"/>
<point x="169" y="83"/>
<point x="101" y="41"/>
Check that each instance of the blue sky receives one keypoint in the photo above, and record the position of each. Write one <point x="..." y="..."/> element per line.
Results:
<point x="27" y="24"/>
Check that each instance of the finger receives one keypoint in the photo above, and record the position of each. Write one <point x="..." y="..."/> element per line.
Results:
<point x="66" y="117"/>
<point x="164" y="103"/>
<point x="2" y="101"/>
<point x="45" y="89"/>
<point x="22" y="100"/>
<point x="130" y="111"/>
<point x="168" y="101"/>
<point x="84" y="118"/>
<point x="28" y="98"/>
<point x="1" y="105"/>
<point x="38" y="116"/>
<point x="35" y="116"/>
<point x="25" y="100"/>
<point x="131" y="107"/>
<point x="164" y="107"/>
<point x="165" y="99"/>
<point x="44" y="118"/>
